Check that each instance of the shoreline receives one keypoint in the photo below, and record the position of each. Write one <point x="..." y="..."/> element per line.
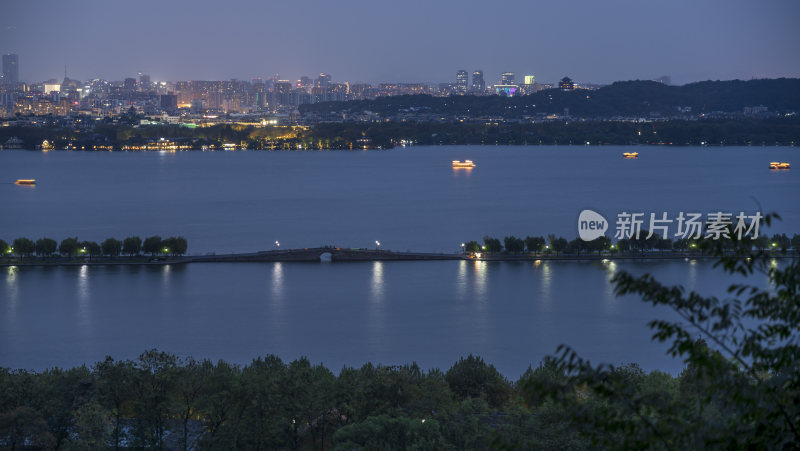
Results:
<point x="318" y="255"/>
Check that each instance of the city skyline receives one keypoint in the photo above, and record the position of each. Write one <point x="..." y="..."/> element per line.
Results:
<point x="409" y="42"/>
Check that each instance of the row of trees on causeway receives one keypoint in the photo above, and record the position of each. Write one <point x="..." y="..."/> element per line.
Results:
<point x="72" y="247"/>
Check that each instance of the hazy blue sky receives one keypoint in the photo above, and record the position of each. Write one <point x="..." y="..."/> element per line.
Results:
<point x="589" y="40"/>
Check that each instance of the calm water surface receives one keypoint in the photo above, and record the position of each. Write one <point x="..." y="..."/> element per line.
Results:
<point x="346" y="314"/>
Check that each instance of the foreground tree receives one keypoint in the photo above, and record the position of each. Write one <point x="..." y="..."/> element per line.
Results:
<point x="471" y="377"/>
<point x="741" y="386"/>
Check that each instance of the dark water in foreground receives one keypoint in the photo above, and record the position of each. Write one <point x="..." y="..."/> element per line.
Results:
<point x="512" y="314"/>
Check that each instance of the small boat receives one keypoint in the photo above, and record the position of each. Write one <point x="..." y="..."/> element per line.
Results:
<point x="465" y="164"/>
<point x="779" y="165"/>
<point x="630" y="154"/>
<point x="25" y="182"/>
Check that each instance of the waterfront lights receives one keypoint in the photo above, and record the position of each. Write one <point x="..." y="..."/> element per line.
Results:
<point x="166" y="250"/>
<point x="277" y="244"/>
<point x="377" y="243"/>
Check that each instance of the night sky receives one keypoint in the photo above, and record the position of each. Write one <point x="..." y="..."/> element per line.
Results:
<point x="591" y="41"/>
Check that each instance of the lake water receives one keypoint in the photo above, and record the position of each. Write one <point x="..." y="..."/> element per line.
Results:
<point x="512" y="314"/>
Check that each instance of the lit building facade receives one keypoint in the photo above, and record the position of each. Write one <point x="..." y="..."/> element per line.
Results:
<point x="478" y="85"/>
<point x="462" y="81"/>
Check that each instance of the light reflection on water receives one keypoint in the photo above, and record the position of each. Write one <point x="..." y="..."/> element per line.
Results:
<point x="377" y="309"/>
<point x="84" y="297"/>
<point x="546" y="279"/>
<point x="512" y="314"/>
<point x="277" y="281"/>
<point x="12" y="293"/>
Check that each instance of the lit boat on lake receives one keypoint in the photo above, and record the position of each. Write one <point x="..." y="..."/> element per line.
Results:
<point x="779" y="165"/>
<point x="465" y="164"/>
<point x="25" y="182"/>
<point x="630" y="154"/>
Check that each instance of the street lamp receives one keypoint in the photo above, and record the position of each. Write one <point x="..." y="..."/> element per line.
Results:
<point x="377" y="243"/>
<point x="277" y="244"/>
<point x="463" y="248"/>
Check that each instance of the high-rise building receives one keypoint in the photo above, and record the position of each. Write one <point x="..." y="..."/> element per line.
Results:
<point x="462" y="81"/>
<point x="478" y="85"/>
<point x="324" y="80"/>
<point x="507" y="78"/>
<point x="169" y="102"/>
<point x="566" y="84"/>
<point x="11" y="69"/>
<point x="529" y="87"/>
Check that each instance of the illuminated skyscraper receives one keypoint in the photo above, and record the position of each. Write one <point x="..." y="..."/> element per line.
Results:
<point x="507" y="78"/>
<point x="478" y="85"/>
<point x="529" y="86"/>
<point x="11" y="69"/>
<point x="324" y="80"/>
<point x="462" y="81"/>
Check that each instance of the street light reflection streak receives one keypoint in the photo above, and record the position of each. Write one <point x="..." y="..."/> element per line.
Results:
<point x="277" y="281"/>
<point x="377" y="281"/>
<point x="12" y="288"/>
<point x="84" y="295"/>
<point x="547" y="281"/>
<point x="480" y="270"/>
<point x="461" y="279"/>
<point x="377" y="310"/>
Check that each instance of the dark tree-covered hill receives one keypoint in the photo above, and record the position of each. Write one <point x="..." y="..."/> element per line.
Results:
<point x="623" y="98"/>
